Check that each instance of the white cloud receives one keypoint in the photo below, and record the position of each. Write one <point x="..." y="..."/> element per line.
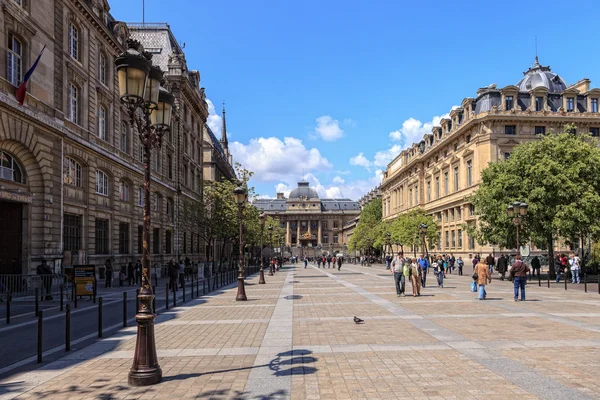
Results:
<point x="283" y="188"/>
<point x="328" y="128"/>
<point x="412" y="130"/>
<point x="360" y="160"/>
<point x="214" y="120"/>
<point x="348" y="189"/>
<point x="272" y="159"/>
<point x="338" y="179"/>
<point x="383" y="158"/>
<point x="344" y="172"/>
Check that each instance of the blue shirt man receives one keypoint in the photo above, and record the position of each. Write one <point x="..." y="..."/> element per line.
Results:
<point x="424" y="263"/>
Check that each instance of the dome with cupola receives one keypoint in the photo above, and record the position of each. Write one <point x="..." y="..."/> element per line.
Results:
<point x="539" y="75"/>
<point x="303" y="191"/>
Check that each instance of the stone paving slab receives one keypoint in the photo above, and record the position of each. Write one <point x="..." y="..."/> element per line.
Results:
<point x="295" y="339"/>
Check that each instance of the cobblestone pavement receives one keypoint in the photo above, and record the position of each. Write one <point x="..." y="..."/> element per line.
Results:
<point x="295" y="339"/>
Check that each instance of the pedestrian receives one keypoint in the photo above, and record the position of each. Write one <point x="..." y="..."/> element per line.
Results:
<point x="181" y="273"/>
<point x="109" y="272"/>
<point x="122" y="275"/>
<point x="415" y="272"/>
<point x="475" y="261"/>
<point x="535" y="266"/>
<point x="328" y="261"/>
<point x="575" y="268"/>
<point x="130" y="274"/>
<point x="138" y="273"/>
<point x="482" y="276"/>
<point x="491" y="262"/>
<point x="519" y="272"/>
<point x="173" y="271"/>
<point x="397" y="268"/>
<point x="45" y="273"/>
<point x="558" y="268"/>
<point x="305" y="262"/>
<point x="424" y="263"/>
<point x="438" y="270"/>
<point x="334" y="261"/>
<point x="339" y="262"/>
<point x="502" y="266"/>
<point x="460" y="264"/>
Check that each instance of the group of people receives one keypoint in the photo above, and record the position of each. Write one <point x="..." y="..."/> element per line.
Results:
<point x="413" y="269"/>
<point x="130" y="273"/>
<point x="482" y="275"/>
<point x="327" y="259"/>
<point x="564" y="265"/>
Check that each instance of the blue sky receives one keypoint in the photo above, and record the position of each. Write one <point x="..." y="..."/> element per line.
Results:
<point x="332" y="90"/>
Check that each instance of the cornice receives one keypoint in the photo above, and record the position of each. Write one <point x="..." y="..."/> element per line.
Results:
<point x="99" y="25"/>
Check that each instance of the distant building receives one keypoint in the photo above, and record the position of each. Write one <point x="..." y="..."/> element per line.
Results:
<point x="439" y="173"/>
<point x="310" y="222"/>
<point x="373" y="194"/>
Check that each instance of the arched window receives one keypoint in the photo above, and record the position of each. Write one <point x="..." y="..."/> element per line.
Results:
<point x="102" y="122"/>
<point x="73" y="103"/>
<point x="124" y="137"/>
<point x="102" y="68"/>
<point x="10" y="168"/>
<point x="124" y="191"/>
<point x="101" y="183"/>
<point x="71" y="172"/>
<point x="74" y="41"/>
<point x="15" y="60"/>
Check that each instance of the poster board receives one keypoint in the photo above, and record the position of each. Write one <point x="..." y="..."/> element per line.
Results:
<point x="84" y="277"/>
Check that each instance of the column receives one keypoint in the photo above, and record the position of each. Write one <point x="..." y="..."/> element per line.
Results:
<point x="298" y="232"/>
<point x="309" y="231"/>
<point x="319" y="233"/>
<point x="288" y="234"/>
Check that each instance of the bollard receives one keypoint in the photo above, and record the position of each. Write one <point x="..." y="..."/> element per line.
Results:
<point x="566" y="281"/>
<point x="539" y="279"/>
<point x="154" y="299"/>
<point x="203" y="287"/>
<point x="68" y="329"/>
<point x="8" y="299"/>
<point x="39" y="332"/>
<point x="167" y="298"/>
<point x="124" y="309"/>
<point x="598" y="283"/>
<point x="548" y="279"/>
<point x="37" y="302"/>
<point x="99" y="317"/>
<point x="137" y="300"/>
<point x="585" y="282"/>
<point x="175" y="295"/>
<point x="75" y="297"/>
<point x="183" y="288"/>
<point x="61" y="297"/>
<point x="192" y="287"/>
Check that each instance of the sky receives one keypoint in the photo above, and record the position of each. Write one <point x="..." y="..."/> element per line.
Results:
<point x="330" y="91"/>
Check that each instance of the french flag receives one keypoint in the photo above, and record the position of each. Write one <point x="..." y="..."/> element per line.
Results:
<point x="22" y="90"/>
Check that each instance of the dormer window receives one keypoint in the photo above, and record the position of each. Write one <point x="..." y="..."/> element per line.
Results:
<point x="449" y="126"/>
<point x="539" y="103"/>
<point x="570" y="104"/>
<point x="508" y="103"/>
<point x="594" y="105"/>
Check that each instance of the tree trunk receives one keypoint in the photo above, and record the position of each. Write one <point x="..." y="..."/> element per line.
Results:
<point x="551" y="271"/>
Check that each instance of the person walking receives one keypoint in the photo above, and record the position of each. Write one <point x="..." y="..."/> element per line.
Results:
<point x="181" y="273"/>
<point x="339" y="262"/>
<point x="475" y="261"/>
<point x="130" y="274"/>
<point x="452" y="262"/>
<point x="502" y="266"/>
<point x="491" y="262"/>
<point x="138" y="272"/>
<point x="305" y="262"/>
<point x="575" y="268"/>
<point x="438" y="270"/>
<point x="535" y="266"/>
<point x="45" y="273"/>
<point x="519" y="271"/>
<point x="397" y="269"/>
<point x="558" y="268"/>
<point x="108" y="272"/>
<point x="424" y="264"/>
<point x="415" y="272"/>
<point x="460" y="263"/>
<point x="173" y="271"/>
<point x="482" y="276"/>
<point x="328" y="261"/>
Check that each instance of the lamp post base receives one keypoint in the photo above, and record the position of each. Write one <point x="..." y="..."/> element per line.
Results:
<point x="145" y="370"/>
<point x="241" y="292"/>
<point x="261" y="280"/>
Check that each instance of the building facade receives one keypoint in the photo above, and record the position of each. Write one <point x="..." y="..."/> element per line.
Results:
<point x="71" y="173"/>
<point x="439" y="173"/>
<point x="309" y="221"/>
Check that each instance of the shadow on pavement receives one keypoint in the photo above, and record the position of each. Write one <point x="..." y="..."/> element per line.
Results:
<point x="237" y="395"/>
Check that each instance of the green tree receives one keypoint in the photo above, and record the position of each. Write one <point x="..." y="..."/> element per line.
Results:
<point x="558" y="176"/>
<point x="405" y="229"/>
<point x="367" y="235"/>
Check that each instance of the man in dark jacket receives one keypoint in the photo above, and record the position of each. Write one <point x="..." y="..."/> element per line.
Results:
<point x="109" y="273"/>
<point x="502" y="266"/>
<point x="45" y="273"/>
<point x="535" y="266"/>
<point x="173" y="271"/>
<point x="339" y="261"/>
<point x="519" y="270"/>
<point x="490" y="261"/>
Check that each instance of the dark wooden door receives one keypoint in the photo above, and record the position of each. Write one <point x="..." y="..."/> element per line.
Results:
<point x="11" y="226"/>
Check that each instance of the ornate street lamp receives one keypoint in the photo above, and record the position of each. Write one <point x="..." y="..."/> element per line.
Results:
<point x="423" y="233"/>
<point x="262" y="218"/>
<point x="150" y="108"/>
<point x="270" y="229"/>
<point x="241" y="196"/>
<point x="518" y="212"/>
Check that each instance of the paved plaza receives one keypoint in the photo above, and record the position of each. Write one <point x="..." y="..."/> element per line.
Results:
<point x="295" y="338"/>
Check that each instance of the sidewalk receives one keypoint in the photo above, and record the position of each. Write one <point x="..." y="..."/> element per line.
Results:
<point x="295" y="338"/>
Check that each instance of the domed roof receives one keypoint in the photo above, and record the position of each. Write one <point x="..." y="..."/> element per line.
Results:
<point x="539" y="75"/>
<point x="303" y="192"/>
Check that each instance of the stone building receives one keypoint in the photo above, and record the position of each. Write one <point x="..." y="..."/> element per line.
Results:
<point x="310" y="222"/>
<point x="71" y="173"/>
<point x="440" y="172"/>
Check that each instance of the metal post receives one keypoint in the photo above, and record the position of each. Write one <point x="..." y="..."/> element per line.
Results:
<point x="40" y="335"/>
<point x="100" y="317"/>
<point x="124" y="309"/>
<point x="37" y="301"/>
<point x="8" y="299"/>
<point x="203" y="286"/>
<point x="61" y="297"/>
<point x="167" y="298"/>
<point x="548" y="278"/>
<point x="585" y="281"/>
<point x="137" y="299"/>
<point x="566" y="275"/>
<point x="175" y="295"/>
<point x="183" y="288"/>
<point x="539" y="279"/>
<point x="154" y="300"/>
<point x="75" y="297"/>
<point x="68" y="329"/>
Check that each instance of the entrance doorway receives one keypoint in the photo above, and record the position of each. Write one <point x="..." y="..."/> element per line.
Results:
<point x="11" y="230"/>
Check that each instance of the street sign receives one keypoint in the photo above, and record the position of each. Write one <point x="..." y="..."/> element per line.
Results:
<point x="84" y="278"/>
<point x="525" y="251"/>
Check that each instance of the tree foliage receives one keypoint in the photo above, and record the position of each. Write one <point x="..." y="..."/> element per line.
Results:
<point x="367" y="234"/>
<point x="558" y="176"/>
<point x="405" y="229"/>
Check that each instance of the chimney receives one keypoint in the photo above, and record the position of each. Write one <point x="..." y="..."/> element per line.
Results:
<point x="280" y="196"/>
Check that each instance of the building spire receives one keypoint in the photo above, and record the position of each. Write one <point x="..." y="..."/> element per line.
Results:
<point x="537" y="63"/>
<point x="224" y="128"/>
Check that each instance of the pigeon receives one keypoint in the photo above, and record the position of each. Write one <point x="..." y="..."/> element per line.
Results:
<point x="358" y="320"/>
